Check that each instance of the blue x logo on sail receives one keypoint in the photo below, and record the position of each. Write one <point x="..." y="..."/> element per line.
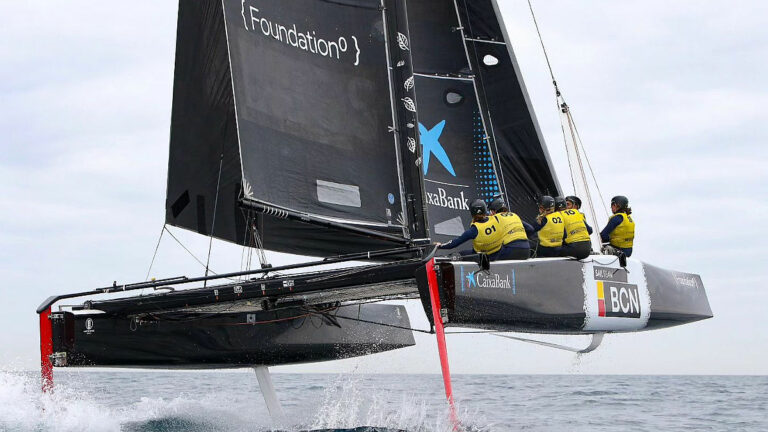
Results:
<point x="431" y="145"/>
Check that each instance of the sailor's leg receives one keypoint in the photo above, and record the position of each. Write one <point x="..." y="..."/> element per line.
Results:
<point x="578" y="250"/>
<point x="518" y="254"/>
<point x="268" y="391"/>
<point x="546" y="252"/>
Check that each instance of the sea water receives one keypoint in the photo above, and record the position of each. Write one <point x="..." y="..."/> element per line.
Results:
<point x="161" y="401"/>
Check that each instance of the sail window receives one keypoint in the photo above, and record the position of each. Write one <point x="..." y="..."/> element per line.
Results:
<point x="490" y="60"/>
<point x="453" y="97"/>
<point x="338" y="193"/>
<point x="180" y="204"/>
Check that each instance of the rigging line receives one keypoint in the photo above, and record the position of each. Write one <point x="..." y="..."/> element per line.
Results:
<point x="243" y="253"/>
<point x="472" y="332"/>
<point x="565" y="142"/>
<point x="249" y="258"/>
<point x="584" y="178"/>
<point x="415" y="329"/>
<point x="247" y="252"/>
<point x="162" y="230"/>
<point x="541" y="40"/>
<point x="560" y="106"/>
<point x="591" y="171"/>
<point x="384" y="324"/>
<point x="259" y="248"/>
<point x="568" y="113"/>
<point x="185" y="248"/>
<point x="213" y="222"/>
<point x="590" y="203"/>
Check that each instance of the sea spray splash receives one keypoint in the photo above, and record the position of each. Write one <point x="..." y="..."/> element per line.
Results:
<point x="106" y="402"/>
<point x="24" y="407"/>
<point x="352" y="400"/>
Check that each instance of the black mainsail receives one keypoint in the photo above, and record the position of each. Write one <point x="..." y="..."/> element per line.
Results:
<point x="296" y="104"/>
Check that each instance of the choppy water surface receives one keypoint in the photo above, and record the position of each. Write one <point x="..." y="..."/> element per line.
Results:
<point x="231" y="401"/>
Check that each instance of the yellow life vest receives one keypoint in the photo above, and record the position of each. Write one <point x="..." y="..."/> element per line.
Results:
<point x="490" y="236"/>
<point x="512" y="226"/>
<point x="623" y="235"/>
<point x="552" y="233"/>
<point x="575" y="227"/>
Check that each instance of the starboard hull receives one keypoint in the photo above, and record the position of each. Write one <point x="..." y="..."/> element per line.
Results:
<point x="568" y="296"/>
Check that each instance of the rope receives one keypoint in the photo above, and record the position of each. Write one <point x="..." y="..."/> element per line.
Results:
<point x="583" y="178"/>
<point x="575" y="137"/>
<point x="185" y="248"/>
<point x="146" y="278"/>
<point x="213" y="222"/>
<point x="385" y="325"/>
<point x="591" y="171"/>
<point x="541" y="40"/>
<point x="259" y="247"/>
<point x="565" y="143"/>
<point x="245" y="265"/>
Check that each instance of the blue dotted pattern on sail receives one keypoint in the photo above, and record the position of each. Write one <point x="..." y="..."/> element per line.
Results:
<point x="486" y="182"/>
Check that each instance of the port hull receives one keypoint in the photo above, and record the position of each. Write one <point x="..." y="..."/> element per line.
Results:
<point x="206" y="340"/>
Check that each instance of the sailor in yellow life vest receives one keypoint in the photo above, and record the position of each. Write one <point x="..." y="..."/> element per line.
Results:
<point x="577" y="243"/>
<point x="549" y="225"/>
<point x="619" y="233"/>
<point x="572" y="202"/>
<point x="516" y="231"/>
<point x="559" y="203"/>
<point x="486" y="233"/>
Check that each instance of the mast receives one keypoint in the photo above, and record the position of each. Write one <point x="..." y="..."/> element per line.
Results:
<point x="404" y="112"/>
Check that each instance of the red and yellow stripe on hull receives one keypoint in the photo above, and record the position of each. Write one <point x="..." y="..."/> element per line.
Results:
<point x="600" y="299"/>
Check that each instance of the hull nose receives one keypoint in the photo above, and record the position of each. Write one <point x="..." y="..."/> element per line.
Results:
<point x="677" y="297"/>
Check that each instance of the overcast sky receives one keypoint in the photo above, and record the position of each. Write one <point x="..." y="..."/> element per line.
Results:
<point x="670" y="99"/>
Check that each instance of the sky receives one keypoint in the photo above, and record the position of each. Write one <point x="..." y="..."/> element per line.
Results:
<point x="670" y="99"/>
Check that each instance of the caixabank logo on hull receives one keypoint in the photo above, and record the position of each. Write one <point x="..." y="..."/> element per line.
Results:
<point x="616" y="299"/>
<point x="485" y="279"/>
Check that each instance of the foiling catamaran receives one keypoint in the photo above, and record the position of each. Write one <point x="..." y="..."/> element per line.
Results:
<point x="355" y="131"/>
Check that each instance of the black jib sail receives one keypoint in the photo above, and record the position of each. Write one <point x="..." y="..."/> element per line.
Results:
<point x="479" y="134"/>
<point x="290" y="111"/>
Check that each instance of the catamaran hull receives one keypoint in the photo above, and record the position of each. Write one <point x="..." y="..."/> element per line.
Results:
<point x="205" y="340"/>
<point x="567" y="296"/>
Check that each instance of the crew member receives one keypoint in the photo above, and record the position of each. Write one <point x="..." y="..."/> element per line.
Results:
<point x="549" y="225"/>
<point x="573" y="202"/>
<point x="619" y="233"/>
<point x="485" y="232"/>
<point x="516" y="231"/>
<point x="577" y="231"/>
<point x="559" y="203"/>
